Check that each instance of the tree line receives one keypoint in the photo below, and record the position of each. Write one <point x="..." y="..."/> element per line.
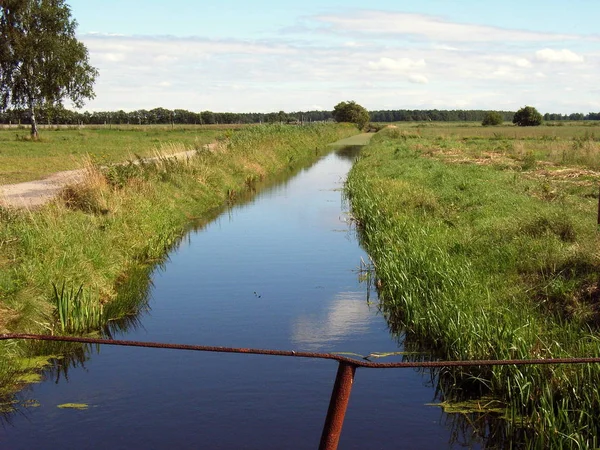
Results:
<point x="57" y="115"/>
<point x="63" y="116"/>
<point x="574" y="116"/>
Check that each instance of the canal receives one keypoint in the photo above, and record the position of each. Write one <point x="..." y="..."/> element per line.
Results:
<point x="278" y="272"/>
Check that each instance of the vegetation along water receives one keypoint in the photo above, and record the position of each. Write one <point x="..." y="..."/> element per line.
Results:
<point x="61" y="266"/>
<point x="485" y="246"/>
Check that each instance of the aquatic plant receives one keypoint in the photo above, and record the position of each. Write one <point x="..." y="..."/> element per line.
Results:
<point x="76" y="311"/>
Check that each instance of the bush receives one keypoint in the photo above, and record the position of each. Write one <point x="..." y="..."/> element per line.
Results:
<point x="351" y="112"/>
<point x="527" y="117"/>
<point x="492" y="118"/>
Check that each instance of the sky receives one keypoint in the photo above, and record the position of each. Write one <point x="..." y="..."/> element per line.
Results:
<point x="264" y="56"/>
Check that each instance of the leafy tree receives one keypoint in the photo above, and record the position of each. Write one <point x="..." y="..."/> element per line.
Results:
<point x="41" y="61"/>
<point x="351" y="112"/>
<point x="492" y="118"/>
<point x="527" y="117"/>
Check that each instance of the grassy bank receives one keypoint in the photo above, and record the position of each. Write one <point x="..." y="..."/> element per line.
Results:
<point x="487" y="248"/>
<point x="61" y="266"/>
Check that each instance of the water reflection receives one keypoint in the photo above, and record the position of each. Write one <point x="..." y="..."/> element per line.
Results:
<point x="349" y="153"/>
<point x="348" y="314"/>
<point x="134" y="289"/>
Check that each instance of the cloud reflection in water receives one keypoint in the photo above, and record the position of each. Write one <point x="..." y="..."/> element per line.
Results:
<point x="349" y="314"/>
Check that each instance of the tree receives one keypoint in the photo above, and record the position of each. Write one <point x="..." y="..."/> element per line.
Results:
<point x="492" y="118"/>
<point x="41" y="61"/>
<point x="351" y="112"/>
<point x="527" y="117"/>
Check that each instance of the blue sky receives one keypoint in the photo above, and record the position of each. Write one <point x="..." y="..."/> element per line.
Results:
<point x="274" y="55"/>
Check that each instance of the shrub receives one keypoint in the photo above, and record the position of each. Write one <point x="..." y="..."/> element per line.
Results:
<point x="492" y="118"/>
<point x="351" y="112"/>
<point x="527" y="117"/>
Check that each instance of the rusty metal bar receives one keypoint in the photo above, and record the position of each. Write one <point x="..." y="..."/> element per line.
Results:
<point x="338" y="404"/>
<point x="344" y="379"/>
<point x="332" y="356"/>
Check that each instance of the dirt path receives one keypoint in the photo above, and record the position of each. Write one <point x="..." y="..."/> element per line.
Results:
<point x="32" y="194"/>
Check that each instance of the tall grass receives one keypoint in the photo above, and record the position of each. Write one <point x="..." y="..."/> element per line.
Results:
<point x="76" y="312"/>
<point x="478" y="261"/>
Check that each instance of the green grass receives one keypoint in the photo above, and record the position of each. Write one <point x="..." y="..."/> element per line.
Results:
<point x="58" y="149"/>
<point x="483" y="255"/>
<point x="104" y="235"/>
<point x="565" y="129"/>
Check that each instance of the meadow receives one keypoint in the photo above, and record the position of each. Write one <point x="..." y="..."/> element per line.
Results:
<point x="64" y="266"/>
<point x="67" y="148"/>
<point x="485" y="245"/>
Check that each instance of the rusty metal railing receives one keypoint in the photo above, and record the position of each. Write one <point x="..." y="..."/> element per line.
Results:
<point x="344" y="380"/>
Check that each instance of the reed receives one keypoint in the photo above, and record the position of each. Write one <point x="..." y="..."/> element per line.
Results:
<point x="77" y="312"/>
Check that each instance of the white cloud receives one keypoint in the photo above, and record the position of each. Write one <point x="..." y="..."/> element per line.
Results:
<point x="390" y="68"/>
<point x="445" y="47"/>
<point x="395" y="65"/>
<point x="558" y="56"/>
<point x="419" y="79"/>
<point x="522" y="62"/>
<point x="431" y="28"/>
<point x="282" y="74"/>
<point x="111" y="57"/>
<point x="517" y="61"/>
<point x="165" y="59"/>
<point x="169" y="48"/>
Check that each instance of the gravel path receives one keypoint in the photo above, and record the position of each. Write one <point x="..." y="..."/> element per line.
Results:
<point x="32" y="194"/>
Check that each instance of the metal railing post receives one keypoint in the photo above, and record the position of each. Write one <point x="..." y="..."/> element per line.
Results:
<point x="338" y="404"/>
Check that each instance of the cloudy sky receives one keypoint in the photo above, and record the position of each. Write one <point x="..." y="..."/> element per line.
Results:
<point x="263" y="56"/>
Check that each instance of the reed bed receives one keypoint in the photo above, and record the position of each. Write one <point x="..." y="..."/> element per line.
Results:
<point x="486" y="260"/>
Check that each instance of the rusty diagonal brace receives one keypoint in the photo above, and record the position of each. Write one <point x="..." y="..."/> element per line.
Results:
<point x="343" y="381"/>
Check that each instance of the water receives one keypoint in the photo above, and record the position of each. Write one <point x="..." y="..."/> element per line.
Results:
<point x="278" y="272"/>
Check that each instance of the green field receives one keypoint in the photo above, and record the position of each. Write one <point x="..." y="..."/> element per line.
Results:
<point x="485" y="245"/>
<point x="66" y="148"/>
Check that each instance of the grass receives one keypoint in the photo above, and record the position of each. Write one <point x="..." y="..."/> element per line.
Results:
<point x="66" y="268"/>
<point x="484" y="253"/>
<point x="67" y="148"/>
<point x="473" y="130"/>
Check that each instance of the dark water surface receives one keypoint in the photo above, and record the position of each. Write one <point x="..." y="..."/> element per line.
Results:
<point x="278" y="272"/>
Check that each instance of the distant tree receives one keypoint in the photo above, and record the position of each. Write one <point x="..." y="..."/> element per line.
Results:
<point x="527" y="117"/>
<point x="41" y="61"/>
<point x="593" y="116"/>
<point x="208" y="117"/>
<point x="492" y="118"/>
<point x="351" y="112"/>
<point x="282" y="116"/>
<point x="576" y="116"/>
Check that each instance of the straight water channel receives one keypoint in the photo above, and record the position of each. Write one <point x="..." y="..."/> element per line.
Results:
<point x="279" y="272"/>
